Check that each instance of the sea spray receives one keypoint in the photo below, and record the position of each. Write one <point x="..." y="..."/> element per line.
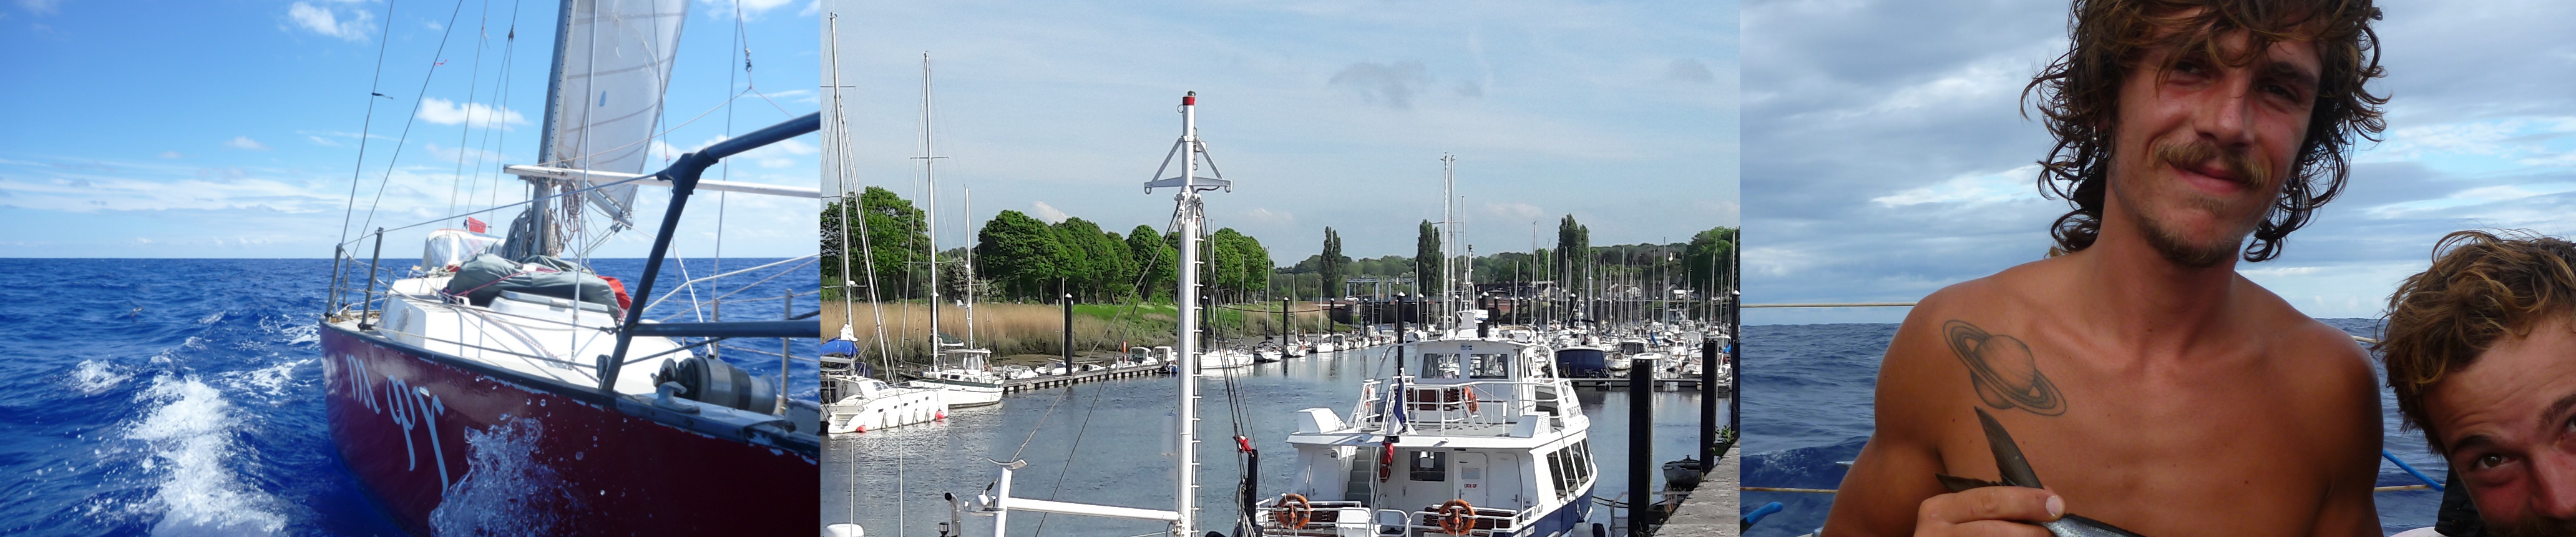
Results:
<point x="506" y="491"/>
<point x="191" y="433"/>
<point x="94" y="376"/>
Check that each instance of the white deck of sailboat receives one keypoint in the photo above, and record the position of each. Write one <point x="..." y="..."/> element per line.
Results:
<point x="544" y="337"/>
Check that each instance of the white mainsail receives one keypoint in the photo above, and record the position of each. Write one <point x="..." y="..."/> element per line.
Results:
<point x="612" y="63"/>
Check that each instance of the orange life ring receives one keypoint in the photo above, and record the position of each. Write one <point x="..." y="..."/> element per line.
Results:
<point x="1455" y="517"/>
<point x="1297" y="511"/>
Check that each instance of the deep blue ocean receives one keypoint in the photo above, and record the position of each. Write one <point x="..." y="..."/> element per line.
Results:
<point x="1807" y="406"/>
<point x="184" y="396"/>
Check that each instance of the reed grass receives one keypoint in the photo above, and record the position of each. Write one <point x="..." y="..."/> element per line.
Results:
<point x="1013" y="329"/>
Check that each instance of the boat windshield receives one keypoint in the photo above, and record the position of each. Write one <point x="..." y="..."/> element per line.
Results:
<point x="1478" y="366"/>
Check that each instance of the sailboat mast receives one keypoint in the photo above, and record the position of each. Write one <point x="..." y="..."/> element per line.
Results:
<point x="540" y="220"/>
<point x="968" y="263"/>
<point x="1448" y="248"/>
<point x="932" y="199"/>
<point x="1185" y="497"/>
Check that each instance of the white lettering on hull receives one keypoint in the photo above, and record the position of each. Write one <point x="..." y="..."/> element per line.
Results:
<point x="410" y="407"/>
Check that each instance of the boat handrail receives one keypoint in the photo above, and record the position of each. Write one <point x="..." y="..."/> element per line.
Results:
<point x="745" y="287"/>
<point x="1471" y="408"/>
<point x="1482" y="524"/>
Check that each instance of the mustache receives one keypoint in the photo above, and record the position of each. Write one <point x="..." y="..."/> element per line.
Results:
<point x="2241" y="166"/>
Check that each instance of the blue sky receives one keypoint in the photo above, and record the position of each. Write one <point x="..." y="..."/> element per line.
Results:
<point x="230" y="128"/>
<point x="1888" y="159"/>
<point x="1323" y="113"/>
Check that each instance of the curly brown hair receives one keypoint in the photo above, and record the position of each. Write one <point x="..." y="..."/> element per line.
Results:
<point x="2078" y="95"/>
<point x="2481" y="287"/>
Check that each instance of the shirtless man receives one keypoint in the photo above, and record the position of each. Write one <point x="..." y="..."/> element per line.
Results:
<point x="2151" y="386"/>
<point x="2481" y="352"/>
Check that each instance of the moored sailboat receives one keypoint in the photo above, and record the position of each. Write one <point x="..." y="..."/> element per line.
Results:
<point x="503" y="387"/>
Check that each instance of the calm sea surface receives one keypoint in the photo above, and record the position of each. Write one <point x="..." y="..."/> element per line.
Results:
<point x="1105" y="443"/>
<point x="1807" y="406"/>
<point x="184" y="396"/>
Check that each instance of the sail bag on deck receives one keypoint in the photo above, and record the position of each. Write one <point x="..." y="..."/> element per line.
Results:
<point x="487" y="275"/>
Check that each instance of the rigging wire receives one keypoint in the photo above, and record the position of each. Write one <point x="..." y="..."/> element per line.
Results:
<point x="482" y="40"/>
<point x="416" y="100"/>
<point x="495" y="135"/>
<point x="366" y="127"/>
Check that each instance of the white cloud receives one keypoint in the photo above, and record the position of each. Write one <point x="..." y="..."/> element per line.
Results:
<point x="664" y="152"/>
<point x="1975" y="188"/>
<point x="463" y="155"/>
<point x="41" y="7"/>
<point x="323" y="20"/>
<point x="171" y="154"/>
<point x="1392" y="84"/>
<point x="111" y="194"/>
<point x="445" y="112"/>
<point x="1262" y="215"/>
<point x="2481" y="144"/>
<point x="244" y="142"/>
<point x="1515" y="210"/>
<point x="1046" y="212"/>
<point x="751" y="9"/>
<point x="794" y="96"/>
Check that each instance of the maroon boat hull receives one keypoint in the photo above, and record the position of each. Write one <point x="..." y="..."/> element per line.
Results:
<point x="442" y="446"/>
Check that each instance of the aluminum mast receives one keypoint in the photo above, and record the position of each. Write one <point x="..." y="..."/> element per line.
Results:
<point x="1188" y="216"/>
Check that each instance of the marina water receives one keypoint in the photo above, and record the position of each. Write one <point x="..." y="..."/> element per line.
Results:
<point x="183" y="396"/>
<point x="1808" y="408"/>
<point x="1106" y="443"/>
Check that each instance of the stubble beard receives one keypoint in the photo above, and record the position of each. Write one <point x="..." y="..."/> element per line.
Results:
<point x="2533" y="527"/>
<point x="2171" y="244"/>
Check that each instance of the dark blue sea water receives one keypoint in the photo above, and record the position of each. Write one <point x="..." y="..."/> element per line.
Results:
<point x="1807" y="406"/>
<point x="184" y="396"/>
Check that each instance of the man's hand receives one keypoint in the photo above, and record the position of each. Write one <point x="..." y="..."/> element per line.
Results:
<point x="1988" y="511"/>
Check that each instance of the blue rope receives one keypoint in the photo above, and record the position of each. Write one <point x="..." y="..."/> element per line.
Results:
<point x="2410" y="469"/>
<point x="1759" y="513"/>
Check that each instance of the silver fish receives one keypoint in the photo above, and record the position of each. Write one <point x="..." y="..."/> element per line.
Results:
<point x="2017" y="473"/>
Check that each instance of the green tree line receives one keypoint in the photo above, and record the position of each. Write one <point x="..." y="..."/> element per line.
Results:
<point x="1017" y="257"/>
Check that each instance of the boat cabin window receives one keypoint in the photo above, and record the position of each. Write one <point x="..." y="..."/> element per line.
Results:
<point x="1439" y="366"/>
<point x="1556" y="469"/>
<point x="1430" y="466"/>
<point x="1581" y="460"/>
<point x="1490" y="366"/>
<point x="1481" y="366"/>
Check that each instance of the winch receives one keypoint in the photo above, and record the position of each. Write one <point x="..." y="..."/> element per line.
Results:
<point x="715" y="382"/>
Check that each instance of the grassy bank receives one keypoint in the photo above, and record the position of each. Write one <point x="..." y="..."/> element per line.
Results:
<point x="1016" y="329"/>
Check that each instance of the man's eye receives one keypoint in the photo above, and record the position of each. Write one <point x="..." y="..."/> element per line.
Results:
<point x="2487" y="461"/>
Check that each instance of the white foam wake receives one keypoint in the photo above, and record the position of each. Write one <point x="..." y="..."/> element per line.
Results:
<point x="190" y="430"/>
<point x="93" y="376"/>
<point x="507" y="492"/>
<point x="271" y="381"/>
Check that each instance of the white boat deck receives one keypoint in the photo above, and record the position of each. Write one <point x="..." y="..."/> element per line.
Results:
<point x="545" y="337"/>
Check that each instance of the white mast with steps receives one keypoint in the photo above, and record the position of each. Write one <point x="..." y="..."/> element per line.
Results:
<point x="1189" y="216"/>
